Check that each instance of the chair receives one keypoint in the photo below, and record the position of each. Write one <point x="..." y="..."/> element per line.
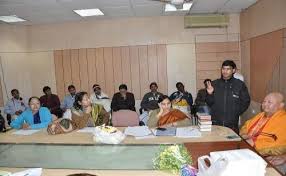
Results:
<point x="124" y="118"/>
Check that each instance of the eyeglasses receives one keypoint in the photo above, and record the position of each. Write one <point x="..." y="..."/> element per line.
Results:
<point x="273" y="136"/>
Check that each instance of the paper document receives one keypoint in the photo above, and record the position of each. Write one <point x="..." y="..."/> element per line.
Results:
<point x="5" y="173"/>
<point x="187" y="132"/>
<point x="137" y="131"/>
<point x="25" y="132"/>
<point x="29" y="172"/>
<point x="145" y="137"/>
<point x="87" y="130"/>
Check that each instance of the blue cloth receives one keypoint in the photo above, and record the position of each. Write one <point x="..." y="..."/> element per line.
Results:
<point x="187" y="170"/>
<point x="14" y="105"/>
<point x="37" y="118"/>
<point x="144" y="117"/>
<point x="27" y="117"/>
<point x="68" y="102"/>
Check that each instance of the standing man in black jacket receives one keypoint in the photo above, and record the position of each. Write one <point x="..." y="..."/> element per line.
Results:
<point x="228" y="97"/>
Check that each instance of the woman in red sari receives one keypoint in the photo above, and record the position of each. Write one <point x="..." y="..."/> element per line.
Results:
<point x="165" y="116"/>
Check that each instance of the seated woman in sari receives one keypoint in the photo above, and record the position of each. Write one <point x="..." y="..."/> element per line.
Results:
<point x="83" y="114"/>
<point x="35" y="117"/>
<point x="165" y="116"/>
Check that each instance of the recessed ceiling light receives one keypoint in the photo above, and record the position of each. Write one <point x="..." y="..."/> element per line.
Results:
<point x="88" y="12"/>
<point x="173" y="8"/>
<point x="11" y="19"/>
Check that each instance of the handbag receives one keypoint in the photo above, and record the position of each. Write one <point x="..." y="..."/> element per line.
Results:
<point x="61" y="126"/>
<point x="232" y="163"/>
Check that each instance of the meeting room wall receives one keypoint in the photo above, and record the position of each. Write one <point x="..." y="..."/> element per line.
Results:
<point x="13" y="38"/>
<point x="20" y="68"/>
<point x="210" y="55"/>
<point x="263" y="47"/>
<point x="28" y="72"/>
<point x="38" y="67"/>
<point x="135" y="66"/>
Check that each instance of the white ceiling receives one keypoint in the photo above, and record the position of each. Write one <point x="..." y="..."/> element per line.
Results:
<point x="57" y="11"/>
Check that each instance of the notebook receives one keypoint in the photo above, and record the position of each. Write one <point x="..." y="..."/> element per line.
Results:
<point x="171" y="131"/>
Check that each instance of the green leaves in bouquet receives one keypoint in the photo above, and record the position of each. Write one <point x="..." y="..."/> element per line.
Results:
<point x="172" y="158"/>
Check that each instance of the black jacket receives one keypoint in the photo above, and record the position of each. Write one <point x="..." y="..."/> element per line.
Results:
<point x="228" y="101"/>
<point x="201" y="97"/>
<point x="118" y="102"/>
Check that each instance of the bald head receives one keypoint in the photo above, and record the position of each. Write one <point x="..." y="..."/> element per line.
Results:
<point x="272" y="103"/>
<point x="277" y="96"/>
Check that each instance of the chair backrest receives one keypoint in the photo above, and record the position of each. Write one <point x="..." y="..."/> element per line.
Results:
<point x="124" y="118"/>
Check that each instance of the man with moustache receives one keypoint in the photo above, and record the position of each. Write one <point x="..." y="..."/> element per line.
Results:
<point x="227" y="97"/>
<point x="15" y="106"/>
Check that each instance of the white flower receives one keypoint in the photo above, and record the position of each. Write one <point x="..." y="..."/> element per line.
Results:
<point x="175" y="151"/>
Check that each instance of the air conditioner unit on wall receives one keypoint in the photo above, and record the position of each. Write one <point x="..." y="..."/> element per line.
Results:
<point x="207" y="20"/>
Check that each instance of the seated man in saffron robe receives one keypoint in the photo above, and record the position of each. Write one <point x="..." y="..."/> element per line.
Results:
<point x="165" y="116"/>
<point x="266" y="131"/>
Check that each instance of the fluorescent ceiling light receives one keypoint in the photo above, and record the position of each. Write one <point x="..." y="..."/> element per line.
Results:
<point x="173" y="8"/>
<point x="89" y="12"/>
<point x="11" y="19"/>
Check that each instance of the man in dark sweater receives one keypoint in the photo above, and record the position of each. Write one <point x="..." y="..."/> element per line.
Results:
<point x="149" y="102"/>
<point x="123" y="99"/>
<point x="51" y="101"/>
<point x="228" y="97"/>
<point x="200" y="102"/>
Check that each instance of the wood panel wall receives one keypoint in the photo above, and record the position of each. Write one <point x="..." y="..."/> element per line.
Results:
<point x="135" y="66"/>
<point x="1" y="94"/>
<point x="277" y="80"/>
<point x="265" y="52"/>
<point x="209" y="57"/>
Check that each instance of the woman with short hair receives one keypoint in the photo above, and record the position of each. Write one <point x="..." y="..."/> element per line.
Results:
<point x="35" y="117"/>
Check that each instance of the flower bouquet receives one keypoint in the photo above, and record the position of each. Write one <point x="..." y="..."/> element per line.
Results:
<point x="172" y="158"/>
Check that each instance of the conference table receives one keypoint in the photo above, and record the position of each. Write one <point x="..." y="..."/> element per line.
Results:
<point x="77" y="152"/>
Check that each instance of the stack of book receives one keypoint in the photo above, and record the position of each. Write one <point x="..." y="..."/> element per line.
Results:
<point x="204" y="122"/>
